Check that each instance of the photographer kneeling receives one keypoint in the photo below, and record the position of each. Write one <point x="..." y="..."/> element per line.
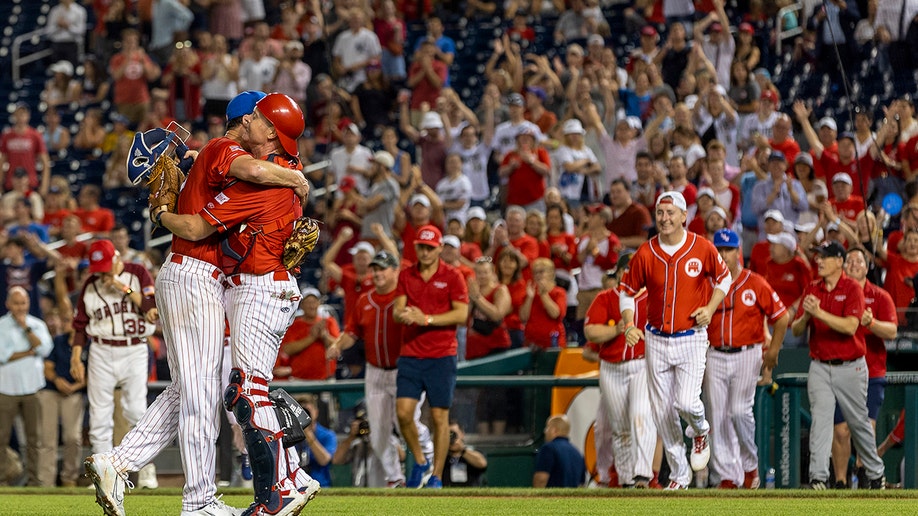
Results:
<point x="465" y="467"/>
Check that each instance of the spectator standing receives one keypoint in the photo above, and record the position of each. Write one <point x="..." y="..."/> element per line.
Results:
<point x="526" y="169"/>
<point x="305" y="341"/>
<point x="26" y="343"/>
<point x="779" y="192"/>
<point x="719" y="46"/>
<point x="445" y="51"/>
<point x="544" y="308"/>
<point x="832" y="308"/>
<point x="454" y="190"/>
<point x="580" y="171"/>
<point x="353" y="49"/>
<point x="182" y="78"/>
<point x="22" y="146"/>
<point x="351" y="159"/>
<point x="292" y="75"/>
<point x="96" y="219"/>
<point x="558" y="463"/>
<point x="66" y="29"/>
<point x="132" y="71"/>
<point x="257" y="70"/>
<point x="629" y="221"/>
<point x="170" y="18"/>
<point x="391" y="31"/>
<point x="382" y="198"/>
<point x="219" y="76"/>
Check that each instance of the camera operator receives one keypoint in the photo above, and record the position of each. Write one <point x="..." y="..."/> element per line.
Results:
<point x="356" y="449"/>
<point x="320" y="445"/>
<point x="465" y="467"/>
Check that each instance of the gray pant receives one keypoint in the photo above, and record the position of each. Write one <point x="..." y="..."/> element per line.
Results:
<point x="846" y="384"/>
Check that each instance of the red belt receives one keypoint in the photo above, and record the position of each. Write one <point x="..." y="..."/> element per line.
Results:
<point x="177" y="258"/>
<point x="132" y="341"/>
<point x="236" y="281"/>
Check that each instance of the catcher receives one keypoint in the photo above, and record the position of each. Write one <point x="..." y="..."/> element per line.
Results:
<point x="261" y="294"/>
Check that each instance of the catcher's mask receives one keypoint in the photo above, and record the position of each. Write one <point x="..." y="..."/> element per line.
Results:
<point x="149" y="145"/>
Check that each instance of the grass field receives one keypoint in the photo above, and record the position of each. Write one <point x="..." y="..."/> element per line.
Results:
<point x="486" y="502"/>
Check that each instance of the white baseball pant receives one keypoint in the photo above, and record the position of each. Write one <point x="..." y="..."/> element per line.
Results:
<point x="380" y="390"/>
<point x="259" y="310"/>
<point x="189" y="296"/>
<point x="675" y="370"/>
<point x="729" y="394"/>
<point x="110" y="367"/>
<point x="602" y="443"/>
<point x="623" y="387"/>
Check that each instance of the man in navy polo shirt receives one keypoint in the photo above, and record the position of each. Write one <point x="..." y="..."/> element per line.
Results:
<point x="559" y="463"/>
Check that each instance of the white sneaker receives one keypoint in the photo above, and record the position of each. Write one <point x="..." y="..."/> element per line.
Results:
<point x="109" y="483"/>
<point x="146" y="477"/>
<point x="701" y="452"/>
<point x="299" y="500"/>
<point x="215" y="508"/>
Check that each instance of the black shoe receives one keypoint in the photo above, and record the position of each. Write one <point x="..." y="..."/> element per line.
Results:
<point x="818" y="485"/>
<point x="878" y="483"/>
<point x="839" y="485"/>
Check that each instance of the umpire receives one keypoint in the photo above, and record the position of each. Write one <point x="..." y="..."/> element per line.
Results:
<point x="832" y="307"/>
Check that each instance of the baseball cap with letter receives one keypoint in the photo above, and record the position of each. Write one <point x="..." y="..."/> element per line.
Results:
<point x="726" y="238"/>
<point x="101" y="256"/>
<point x="429" y="235"/>
<point x="674" y="198"/>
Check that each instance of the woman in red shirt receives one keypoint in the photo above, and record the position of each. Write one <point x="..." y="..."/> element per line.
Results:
<point x="535" y="227"/>
<point x="489" y="304"/>
<point x="544" y="308"/>
<point x="510" y="274"/>
<point x="477" y="232"/>
<point x="525" y="168"/>
<point x="898" y="268"/>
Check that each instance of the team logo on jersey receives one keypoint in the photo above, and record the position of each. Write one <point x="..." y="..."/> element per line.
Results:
<point x="221" y="198"/>
<point x="693" y="267"/>
<point x="748" y="297"/>
<point x="285" y="309"/>
<point x="439" y="284"/>
<point x="841" y="297"/>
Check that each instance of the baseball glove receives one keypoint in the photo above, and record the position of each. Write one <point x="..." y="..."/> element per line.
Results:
<point x="165" y="183"/>
<point x="303" y="240"/>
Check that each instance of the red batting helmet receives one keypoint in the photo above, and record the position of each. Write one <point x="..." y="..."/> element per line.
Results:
<point x="285" y="114"/>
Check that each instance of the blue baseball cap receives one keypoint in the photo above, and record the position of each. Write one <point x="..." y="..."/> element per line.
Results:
<point x="243" y="104"/>
<point x="726" y="238"/>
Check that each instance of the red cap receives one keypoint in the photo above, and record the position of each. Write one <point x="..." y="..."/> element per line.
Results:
<point x="429" y="235"/>
<point x="746" y="27"/>
<point x="770" y="95"/>
<point x="716" y="27"/>
<point x="648" y="30"/>
<point x="595" y="208"/>
<point x="101" y="256"/>
<point x="347" y="184"/>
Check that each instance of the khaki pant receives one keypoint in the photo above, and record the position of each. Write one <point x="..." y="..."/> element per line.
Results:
<point x="30" y="409"/>
<point x="61" y="421"/>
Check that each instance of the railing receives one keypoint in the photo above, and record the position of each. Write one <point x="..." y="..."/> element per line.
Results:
<point x="35" y="37"/>
<point x="781" y="34"/>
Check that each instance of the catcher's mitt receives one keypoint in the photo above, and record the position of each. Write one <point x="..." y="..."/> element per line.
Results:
<point x="165" y="182"/>
<point x="303" y="240"/>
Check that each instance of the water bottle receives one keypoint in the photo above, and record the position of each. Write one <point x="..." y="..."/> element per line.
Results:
<point x="554" y="339"/>
<point x="854" y="480"/>
<point x="770" y="479"/>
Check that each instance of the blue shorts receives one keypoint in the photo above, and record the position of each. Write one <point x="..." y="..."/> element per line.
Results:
<point x="876" y="392"/>
<point x="435" y="376"/>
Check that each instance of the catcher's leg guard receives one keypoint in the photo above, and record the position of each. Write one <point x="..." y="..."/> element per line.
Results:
<point x="247" y="397"/>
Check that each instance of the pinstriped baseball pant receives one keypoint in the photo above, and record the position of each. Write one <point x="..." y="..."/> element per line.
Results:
<point x="729" y="394"/>
<point x="624" y="393"/>
<point x="190" y="302"/>
<point x="675" y="370"/>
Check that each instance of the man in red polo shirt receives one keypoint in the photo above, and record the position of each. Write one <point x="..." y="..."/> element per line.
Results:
<point x="878" y="323"/>
<point x="846" y="204"/>
<point x="373" y="322"/>
<point x="432" y="298"/>
<point x="832" y="307"/>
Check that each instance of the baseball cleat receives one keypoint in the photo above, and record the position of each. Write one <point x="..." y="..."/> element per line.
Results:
<point x="434" y="483"/>
<point x="877" y="483"/>
<point x="674" y="486"/>
<point x="818" y="485"/>
<point x="214" y="508"/>
<point x="146" y="477"/>
<point x="751" y="479"/>
<point x="420" y="474"/>
<point x="109" y="483"/>
<point x="701" y="452"/>
<point x="296" y="503"/>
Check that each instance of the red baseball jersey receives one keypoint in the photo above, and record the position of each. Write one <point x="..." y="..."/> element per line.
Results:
<point x="605" y="310"/>
<point x="862" y="167"/>
<point x="567" y="244"/>
<point x="897" y="270"/>
<point x="737" y="322"/>
<point x="759" y="256"/>
<point x="881" y="304"/>
<point x="372" y="321"/>
<point x="846" y="299"/>
<point x="850" y="207"/>
<point x="541" y="329"/>
<point x="267" y="214"/>
<point x="433" y="296"/>
<point x="677" y="285"/>
<point x="205" y="180"/>
<point x="517" y="296"/>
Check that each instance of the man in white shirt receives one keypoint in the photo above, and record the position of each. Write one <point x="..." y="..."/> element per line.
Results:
<point x="719" y="46"/>
<point x="352" y="159"/>
<point x="25" y="344"/>
<point x="353" y="49"/>
<point x="66" y="28"/>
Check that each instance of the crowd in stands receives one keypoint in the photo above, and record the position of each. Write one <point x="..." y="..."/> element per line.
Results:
<point x="536" y="134"/>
